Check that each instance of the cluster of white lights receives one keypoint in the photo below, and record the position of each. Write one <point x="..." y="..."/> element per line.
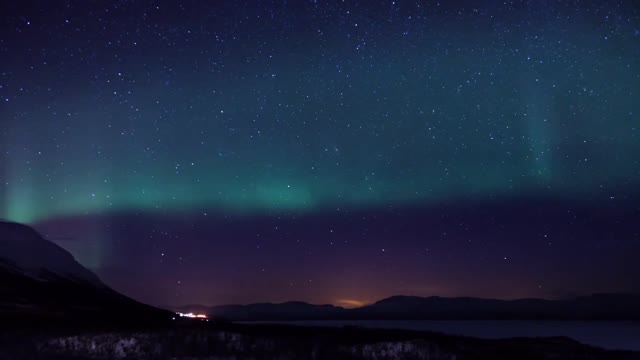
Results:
<point x="192" y="315"/>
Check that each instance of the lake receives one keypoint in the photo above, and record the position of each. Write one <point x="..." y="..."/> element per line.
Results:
<point x="614" y="335"/>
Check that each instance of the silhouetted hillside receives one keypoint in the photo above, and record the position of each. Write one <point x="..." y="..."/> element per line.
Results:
<point x="42" y="284"/>
<point x="593" y="307"/>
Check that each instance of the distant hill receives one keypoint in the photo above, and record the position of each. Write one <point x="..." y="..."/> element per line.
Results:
<point x="593" y="307"/>
<point x="42" y="284"/>
<point x="292" y="310"/>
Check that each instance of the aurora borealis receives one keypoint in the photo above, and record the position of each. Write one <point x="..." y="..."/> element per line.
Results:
<point x="328" y="151"/>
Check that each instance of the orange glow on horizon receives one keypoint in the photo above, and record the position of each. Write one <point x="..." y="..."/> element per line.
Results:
<point x="350" y="303"/>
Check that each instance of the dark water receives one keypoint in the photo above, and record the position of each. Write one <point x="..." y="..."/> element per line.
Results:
<point x="615" y="335"/>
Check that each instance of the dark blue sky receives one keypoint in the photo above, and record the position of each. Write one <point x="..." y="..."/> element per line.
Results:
<point x="327" y="150"/>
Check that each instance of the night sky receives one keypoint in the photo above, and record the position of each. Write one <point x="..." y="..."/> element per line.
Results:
<point x="328" y="151"/>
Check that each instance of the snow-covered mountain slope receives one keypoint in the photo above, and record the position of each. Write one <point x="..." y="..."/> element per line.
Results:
<point x="41" y="284"/>
<point x="23" y="250"/>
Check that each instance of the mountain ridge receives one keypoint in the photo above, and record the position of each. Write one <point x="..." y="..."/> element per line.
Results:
<point x="599" y="306"/>
<point x="19" y="243"/>
<point x="43" y="285"/>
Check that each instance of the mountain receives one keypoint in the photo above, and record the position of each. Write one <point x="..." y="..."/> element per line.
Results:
<point x="24" y="251"/>
<point x="592" y="307"/>
<point x="43" y="284"/>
